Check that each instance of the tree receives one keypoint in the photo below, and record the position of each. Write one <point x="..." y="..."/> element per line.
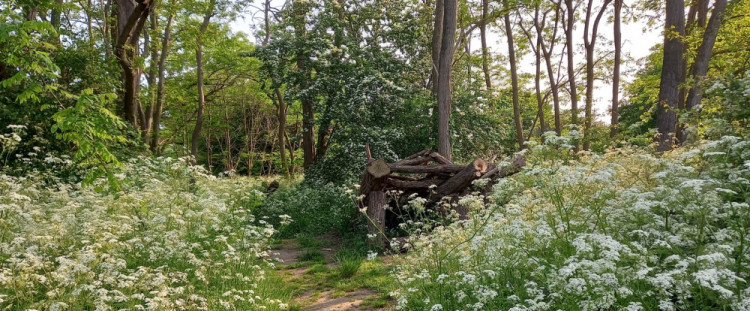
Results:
<point x="199" y="70"/>
<point x="444" y="77"/>
<point x="165" y="44"/>
<point x="535" y="42"/>
<point x="614" y="122"/>
<point x="300" y="10"/>
<point x="700" y="66"/>
<point x="666" y="117"/>
<point x="513" y="76"/>
<point x="589" y="42"/>
<point x="483" y="37"/>
<point x="131" y="18"/>
<point x="437" y="39"/>
<point x="569" y="25"/>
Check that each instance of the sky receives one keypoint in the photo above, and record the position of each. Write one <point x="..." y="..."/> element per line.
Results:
<point x="637" y="40"/>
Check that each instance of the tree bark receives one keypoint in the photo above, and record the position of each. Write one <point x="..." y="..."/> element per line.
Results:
<point x="131" y="17"/>
<point x="570" y="22"/>
<point x="152" y="88"/>
<point x="614" y="126"/>
<point x="462" y="179"/>
<point x="485" y="51"/>
<point x="281" y="113"/>
<point x="444" y="77"/>
<point x="437" y="38"/>
<point x="513" y="77"/>
<point x="201" y="91"/>
<point x="666" y="117"/>
<point x="547" y="53"/>
<point x="700" y="66"/>
<point x="162" y="81"/>
<point x="308" y="115"/>
<point x="590" y="44"/>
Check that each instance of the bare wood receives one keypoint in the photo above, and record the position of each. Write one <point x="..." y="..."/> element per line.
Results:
<point x="367" y="149"/>
<point x="440" y="158"/>
<point x="462" y="179"/>
<point x="432" y="169"/>
<point x="515" y="166"/>
<point x="378" y="168"/>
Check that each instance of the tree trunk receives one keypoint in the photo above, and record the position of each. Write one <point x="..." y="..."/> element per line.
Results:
<point x="267" y="21"/>
<point x="616" y="74"/>
<point x="485" y="52"/>
<point x="538" y="75"/>
<point x="201" y="91"/>
<point x="160" y="87"/>
<point x="570" y="21"/>
<point x="151" y="80"/>
<point x="666" y="117"/>
<point x="444" y="77"/>
<point x="437" y="37"/>
<point x="281" y="113"/>
<point x="700" y="66"/>
<point x="590" y="44"/>
<point x="547" y="53"/>
<point x="513" y="77"/>
<point x="308" y="114"/>
<point x="131" y="18"/>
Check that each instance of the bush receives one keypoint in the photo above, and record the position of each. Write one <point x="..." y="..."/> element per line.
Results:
<point x="174" y="238"/>
<point x="623" y="230"/>
<point x="315" y="209"/>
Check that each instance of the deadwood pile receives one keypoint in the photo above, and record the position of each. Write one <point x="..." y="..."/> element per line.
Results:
<point x="426" y="174"/>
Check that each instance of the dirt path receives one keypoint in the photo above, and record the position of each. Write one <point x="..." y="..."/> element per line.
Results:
<point x="320" y="281"/>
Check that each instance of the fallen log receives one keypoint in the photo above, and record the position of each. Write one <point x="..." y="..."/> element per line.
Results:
<point x="413" y="184"/>
<point x="440" y="158"/>
<point x="431" y="169"/>
<point x="515" y="166"/>
<point x="462" y="179"/>
<point x="427" y="174"/>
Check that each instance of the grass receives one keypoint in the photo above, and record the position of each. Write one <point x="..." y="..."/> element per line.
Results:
<point x="312" y="255"/>
<point x="308" y="241"/>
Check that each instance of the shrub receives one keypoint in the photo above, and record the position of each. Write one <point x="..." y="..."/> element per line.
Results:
<point x="622" y="230"/>
<point x="174" y="238"/>
<point x="315" y="208"/>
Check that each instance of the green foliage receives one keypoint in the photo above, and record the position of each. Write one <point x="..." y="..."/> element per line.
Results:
<point x="725" y="109"/>
<point x="638" y="116"/>
<point x="315" y="209"/>
<point x="93" y="130"/>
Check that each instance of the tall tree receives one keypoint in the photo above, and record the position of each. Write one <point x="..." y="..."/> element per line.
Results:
<point x="700" y="66"/>
<point x="513" y="75"/>
<point x="547" y="53"/>
<point x="201" y="91"/>
<point x="589" y="42"/>
<point x="450" y="9"/>
<point x="160" y="92"/>
<point x="572" y="87"/>
<point x="483" y="37"/>
<point x="614" y="122"/>
<point x="437" y="39"/>
<point x="131" y="18"/>
<point x="666" y="117"/>
<point x="300" y="10"/>
<point x="535" y="42"/>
